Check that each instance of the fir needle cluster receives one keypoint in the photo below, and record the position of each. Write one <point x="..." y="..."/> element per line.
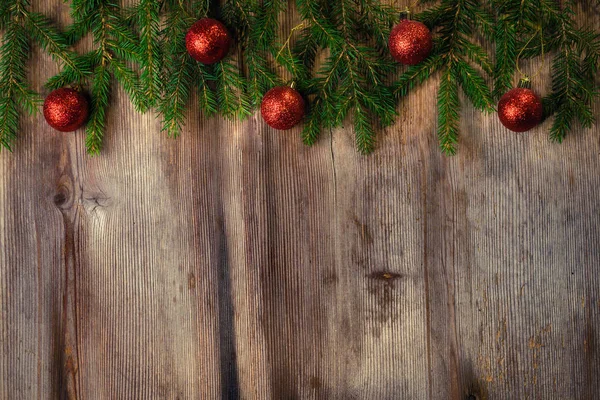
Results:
<point x="459" y="60"/>
<point x="547" y="29"/>
<point x="20" y="29"/>
<point x="352" y="79"/>
<point x="337" y="56"/>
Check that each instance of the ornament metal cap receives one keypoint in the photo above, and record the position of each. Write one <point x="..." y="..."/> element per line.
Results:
<point x="404" y="14"/>
<point x="525" y="82"/>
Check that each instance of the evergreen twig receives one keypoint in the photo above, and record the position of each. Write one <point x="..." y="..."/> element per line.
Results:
<point x="232" y="89"/>
<point x="456" y="22"/>
<point x="574" y="69"/>
<point x="178" y="68"/>
<point x="262" y="32"/>
<point x="21" y="26"/>
<point x="352" y="78"/>
<point x="116" y="47"/>
<point x="147" y="17"/>
<point x="15" y="94"/>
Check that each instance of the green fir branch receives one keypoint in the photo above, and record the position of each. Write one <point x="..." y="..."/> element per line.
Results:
<point x="376" y="22"/>
<point x="207" y="99"/>
<point x="21" y="27"/>
<point x="448" y="108"/>
<point x="477" y="55"/>
<point x="417" y="74"/>
<point x="260" y="76"/>
<point x="519" y="35"/>
<point x="363" y="130"/>
<point x="79" y="28"/>
<point x="147" y="18"/>
<point x="142" y="48"/>
<point x="200" y="8"/>
<point x="352" y="79"/>
<point x="237" y="16"/>
<point x="4" y="14"/>
<point x="256" y="24"/>
<point x="456" y="22"/>
<point x="262" y="31"/>
<point x="116" y="47"/>
<point x="574" y="68"/>
<point x="312" y="123"/>
<point x="232" y="90"/>
<point x="264" y="26"/>
<point x="176" y="96"/>
<point x="484" y="20"/>
<point x="53" y="42"/>
<point x="506" y="54"/>
<point x="100" y="100"/>
<point x="9" y="119"/>
<point x="70" y="76"/>
<point x="178" y="69"/>
<point x="473" y="85"/>
<point x="15" y="94"/>
<point x="305" y="50"/>
<point x="232" y="98"/>
<point x="129" y="80"/>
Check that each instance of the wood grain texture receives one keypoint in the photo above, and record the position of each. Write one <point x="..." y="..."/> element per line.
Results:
<point x="234" y="262"/>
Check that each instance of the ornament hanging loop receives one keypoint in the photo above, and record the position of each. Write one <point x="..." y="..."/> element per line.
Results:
<point x="406" y="13"/>
<point x="286" y="45"/>
<point x="526" y="80"/>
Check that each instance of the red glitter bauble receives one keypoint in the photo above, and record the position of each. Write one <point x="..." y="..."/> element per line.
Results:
<point x="282" y="107"/>
<point x="207" y="41"/>
<point x="520" y="109"/>
<point x="66" y="109"/>
<point x="410" y="42"/>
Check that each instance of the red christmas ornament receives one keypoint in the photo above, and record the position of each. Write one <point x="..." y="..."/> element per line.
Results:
<point x="207" y="41"/>
<point x="282" y="107"/>
<point x="520" y="109"/>
<point x="66" y="110"/>
<point x="410" y="42"/>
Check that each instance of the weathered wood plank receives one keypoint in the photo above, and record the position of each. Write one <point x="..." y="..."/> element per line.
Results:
<point x="234" y="262"/>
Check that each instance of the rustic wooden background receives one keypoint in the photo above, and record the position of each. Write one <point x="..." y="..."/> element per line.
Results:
<point x="234" y="262"/>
